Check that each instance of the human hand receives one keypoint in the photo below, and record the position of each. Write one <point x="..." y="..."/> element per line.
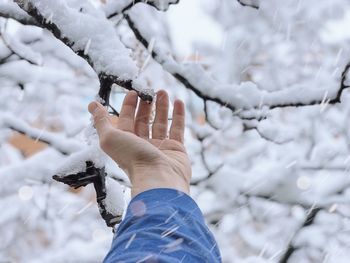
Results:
<point x="150" y="161"/>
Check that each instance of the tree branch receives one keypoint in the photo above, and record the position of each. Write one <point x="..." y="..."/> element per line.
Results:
<point x="16" y="51"/>
<point x="10" y="10"/>
<point x="106" y="79"/>
<point x="211" y="172"/>
<point x="155" y="3"/>
<point x="62" y="144"/>
<point x="249" y="3"/>
<point x="245" y="112"/>
<point x="97" y="177"/>
<point x="309" y="220"/>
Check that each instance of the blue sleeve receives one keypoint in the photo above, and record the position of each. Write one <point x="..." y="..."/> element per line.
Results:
<point x="163" y="225"/>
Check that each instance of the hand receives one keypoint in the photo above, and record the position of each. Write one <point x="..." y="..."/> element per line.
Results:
<point x="157" y="162"/>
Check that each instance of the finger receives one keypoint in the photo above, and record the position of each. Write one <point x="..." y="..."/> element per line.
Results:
<point x="142" y="119"/>
<point x="177" y="128"/>
<point x="160" y="125"/>
<point x="101" y="118"/>
<point x="127" y="113"/>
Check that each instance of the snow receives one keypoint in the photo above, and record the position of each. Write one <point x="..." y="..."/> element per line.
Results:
<point x="272" y="170"/>
<point x="30" y="169"/>
<point x="57" y="141"/>
<point x="32" y="73"/>
<point x="254" y="3"/>
<point x="21" y="50"/>
<point x="8" y="7"/>
<point x="245" y="95"/>
<point x="76" y="162"/>
<point x="106" y="51"/>
<point x="114" y="200"/>
<point x="116" y="7"/>
<point x="162" y="4"/>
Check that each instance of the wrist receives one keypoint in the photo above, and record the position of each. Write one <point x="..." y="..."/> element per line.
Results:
<point x="157" y="176"/>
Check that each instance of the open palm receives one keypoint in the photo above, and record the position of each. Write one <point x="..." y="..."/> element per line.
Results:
<point x="151" y="159"/>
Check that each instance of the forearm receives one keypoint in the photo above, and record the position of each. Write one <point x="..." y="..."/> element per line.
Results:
<point x="165" y="225"/>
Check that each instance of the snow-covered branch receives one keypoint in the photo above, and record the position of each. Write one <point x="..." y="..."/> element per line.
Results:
<point x="8" y="9"/>
<point x="247" y="100"/>
<point x="19" y="49"/>
<point x="119" y="7"/>
<point x="250" y="3"/>
<point x="79" y="173"/>
<point x="59" y="142"/>
<point x="95" y="42"/>
<point x="75" y="170"/>
<point x="276" y="186"/>
<point x="103" y="50"/>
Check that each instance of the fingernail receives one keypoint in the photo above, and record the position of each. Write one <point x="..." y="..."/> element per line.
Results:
<point x="93" y="107"/>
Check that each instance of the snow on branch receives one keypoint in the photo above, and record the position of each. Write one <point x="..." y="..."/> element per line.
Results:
<point x="250" y="3"/>
<point x="246" y="97"/>
<point x="162" y="5"/>
<point x="76" y="172"/>
<point x="93" y="38"/>
<point x="8" y="9"/>
<point x="19" y="49"/>
<point x="120" y="7"/>
<point x="21" y="72"/>
<point x="57" y="141"/>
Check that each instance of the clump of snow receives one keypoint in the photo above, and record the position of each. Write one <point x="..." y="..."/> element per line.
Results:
<point x="76" y="162"/>
<point x="114" y="201"/>
<point x="140" y="84"/>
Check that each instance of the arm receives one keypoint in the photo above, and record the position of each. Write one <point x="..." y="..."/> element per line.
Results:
<point x="162" y="223"/>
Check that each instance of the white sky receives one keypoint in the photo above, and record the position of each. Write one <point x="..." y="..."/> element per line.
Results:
<point x="188" y="24"/>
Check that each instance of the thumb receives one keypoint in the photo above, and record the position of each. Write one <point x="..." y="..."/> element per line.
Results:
<point x="101" y="118"/>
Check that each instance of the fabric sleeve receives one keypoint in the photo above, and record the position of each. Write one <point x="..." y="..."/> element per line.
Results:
<point x="163" y="225"/>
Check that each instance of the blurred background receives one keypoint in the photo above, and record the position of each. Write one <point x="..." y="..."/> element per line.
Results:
<point x="265" y="88"/>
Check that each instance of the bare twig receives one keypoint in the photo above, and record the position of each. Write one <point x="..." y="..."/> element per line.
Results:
<point x="211" y="172"/>
<point x="309" y="220"/>
<point x="250" y="4"/>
